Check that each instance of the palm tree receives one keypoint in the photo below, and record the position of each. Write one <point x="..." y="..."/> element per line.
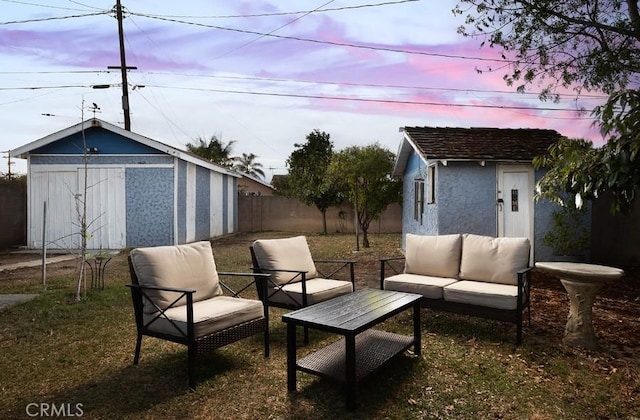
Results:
<point x="213" y="150"/>
<point x="246" y="164"/>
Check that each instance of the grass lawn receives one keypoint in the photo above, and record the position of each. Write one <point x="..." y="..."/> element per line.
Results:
<point x="80" y="356"/>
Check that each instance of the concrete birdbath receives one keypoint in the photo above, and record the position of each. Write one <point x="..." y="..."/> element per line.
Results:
<point x="582" y="282"/>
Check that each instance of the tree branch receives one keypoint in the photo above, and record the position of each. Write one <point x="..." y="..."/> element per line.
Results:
<point x="593" y="23"/>
<point x="635" y="17"/>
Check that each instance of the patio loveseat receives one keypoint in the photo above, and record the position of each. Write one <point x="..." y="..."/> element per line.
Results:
<point x="468" y="274"/>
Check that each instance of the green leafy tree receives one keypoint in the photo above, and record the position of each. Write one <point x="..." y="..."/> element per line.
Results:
<point x="364" y="175"/>
<point x="214" y="150"/>
<point x="247" y="164"/>
<point x="569" y="235"/>
<point x="566" y="161"/>
<point x="584" y="45"/>
<point x="307" y="180"/>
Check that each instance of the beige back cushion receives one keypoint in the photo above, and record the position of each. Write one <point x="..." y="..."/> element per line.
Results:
<point x="495" y="260"/>
<point x="436" y="256"/>
<point x="285" y="254"/>
<point x="189" y="266"/>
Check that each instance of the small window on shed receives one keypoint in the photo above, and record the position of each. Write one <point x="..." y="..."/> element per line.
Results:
<point x="431" y="183"/>
<point x="418" y="201"/>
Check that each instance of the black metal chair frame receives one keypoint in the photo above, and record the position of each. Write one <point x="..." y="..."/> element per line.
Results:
<point x="513" y="316"/>
<point x="203" y="344"/>
<point x="298" y="276"/>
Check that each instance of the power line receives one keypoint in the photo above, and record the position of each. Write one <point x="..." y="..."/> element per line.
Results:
<point x="131" y="50"/>
<point x="375" y="85"/>
<point x="46" y="87"/>
<point x="305" y="81"/>
<point x="387" y="101"/>
<point x="57" y="72"/>
<point x="318" y="82"/>
<point x="458" y="90"/>
<point x="273" y="35"/>
<point x="88" y="6"/>
<point x="54" y="18"/>
<point x="170" y="122"/>
<point x="300" y="12"/>
<point x="161" y="112"/>
<point x="336" y="98"/>
<point x="43" y="5"/>
<point x="29" y="98"/>
<point x="277" y="29"/>
<point x="334" y="43"/>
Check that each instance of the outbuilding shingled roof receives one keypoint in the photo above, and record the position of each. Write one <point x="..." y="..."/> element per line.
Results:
<point x="500" y="144"/>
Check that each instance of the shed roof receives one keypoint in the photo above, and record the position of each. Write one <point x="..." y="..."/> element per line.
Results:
<point x="476" y="143"/>
<point x="23" y="151"/>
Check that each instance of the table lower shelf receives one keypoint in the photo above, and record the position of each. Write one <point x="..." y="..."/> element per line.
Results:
<point x="373" y="349"/>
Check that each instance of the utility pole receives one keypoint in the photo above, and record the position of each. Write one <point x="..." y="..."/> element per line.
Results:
<point x="9" y="163"/>
<point x="123" y="69"/>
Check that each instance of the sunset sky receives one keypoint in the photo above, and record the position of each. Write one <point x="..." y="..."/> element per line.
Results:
<point x="261" y="73"/>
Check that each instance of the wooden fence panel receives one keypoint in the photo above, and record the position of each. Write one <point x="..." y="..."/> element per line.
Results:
<point x="13" y="213"/>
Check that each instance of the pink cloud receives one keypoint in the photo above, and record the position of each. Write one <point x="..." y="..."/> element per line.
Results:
<point x="152" y="45"/>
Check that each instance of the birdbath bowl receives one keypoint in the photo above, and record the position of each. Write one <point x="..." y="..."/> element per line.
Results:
<point x="582" y="282"/>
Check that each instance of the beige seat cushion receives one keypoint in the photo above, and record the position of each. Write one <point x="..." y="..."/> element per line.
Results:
<point x="318" y="290"/>
<point x="427" y="286"/>
<point x="437" y="256"/>
<point x="209" y="316"/>
<point x="189" y="266"/>
<point x="494" y="260"/>
<point x="492" y="295"/>
<point x="285" y="254"/>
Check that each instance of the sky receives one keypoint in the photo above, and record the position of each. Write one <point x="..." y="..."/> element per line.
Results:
<point x="261" y="73"/>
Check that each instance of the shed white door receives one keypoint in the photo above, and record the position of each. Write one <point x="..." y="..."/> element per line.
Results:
<point x="57" y="190"/>
<point x="106" y="207"/>
<point x="515" y="201"/>
<point x="62" y="190"/>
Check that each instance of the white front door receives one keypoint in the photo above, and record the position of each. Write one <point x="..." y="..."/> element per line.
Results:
<point x="515" y="201"/>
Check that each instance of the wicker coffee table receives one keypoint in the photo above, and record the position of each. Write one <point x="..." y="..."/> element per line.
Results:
<point x="363" y="349"/>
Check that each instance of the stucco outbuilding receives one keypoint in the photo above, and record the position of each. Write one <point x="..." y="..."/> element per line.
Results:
<point x="474" y="180"/>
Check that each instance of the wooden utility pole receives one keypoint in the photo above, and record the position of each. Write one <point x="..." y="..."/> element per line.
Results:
<point x="123" y="69"/>
<point x="9" y="163"/>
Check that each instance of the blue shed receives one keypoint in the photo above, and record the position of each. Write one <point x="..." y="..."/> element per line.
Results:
<point x="139" y="192"/>
<point x="474" y="180"/>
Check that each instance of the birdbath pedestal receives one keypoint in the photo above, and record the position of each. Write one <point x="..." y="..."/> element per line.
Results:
<point x="582" y="282"/>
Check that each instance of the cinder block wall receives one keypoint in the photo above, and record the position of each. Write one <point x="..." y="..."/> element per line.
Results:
<point x="276" y="213"/>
